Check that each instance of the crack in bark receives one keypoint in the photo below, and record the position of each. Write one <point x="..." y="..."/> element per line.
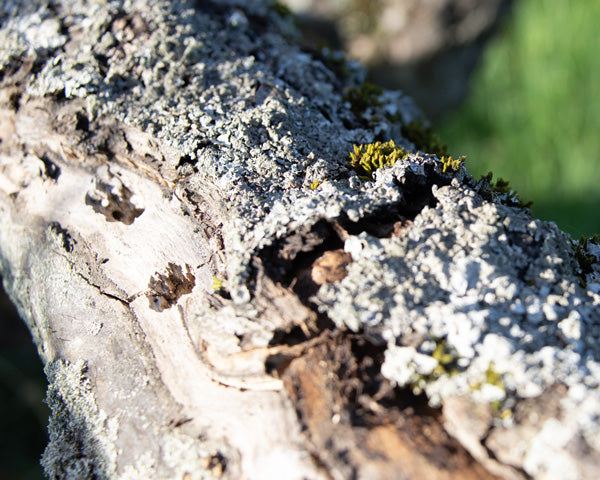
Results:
<point x="124" y="301"/>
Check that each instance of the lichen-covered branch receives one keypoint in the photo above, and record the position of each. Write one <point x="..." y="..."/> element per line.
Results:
<point x="217" y="292"/>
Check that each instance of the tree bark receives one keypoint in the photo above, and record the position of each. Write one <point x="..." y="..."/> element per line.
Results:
<point x="216" y="293"/>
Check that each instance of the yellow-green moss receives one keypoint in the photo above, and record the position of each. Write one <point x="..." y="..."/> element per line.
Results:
<point x="217" y="284"/>
<point x="447" y="359"/>
<point x="365" y="159"/>
<point x="314" y="185"/>
<point x="493" y="377"/>
<point x="452" y="163"/>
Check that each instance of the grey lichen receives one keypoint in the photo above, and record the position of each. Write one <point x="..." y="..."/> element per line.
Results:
<point x="188" y="458"/>
<point x="194" y="84"/>
<point x="30" y="30"/>
<point x="500" y="288"/>
<point x="81" y="436"/>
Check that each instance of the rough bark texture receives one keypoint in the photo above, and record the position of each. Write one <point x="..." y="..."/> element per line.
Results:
<point x="217" y="294"/>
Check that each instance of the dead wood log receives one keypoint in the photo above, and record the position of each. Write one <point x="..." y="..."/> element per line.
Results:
<point x="217" y="293"/>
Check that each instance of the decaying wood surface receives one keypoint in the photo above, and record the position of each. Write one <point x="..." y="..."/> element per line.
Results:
<point x="215" y="292"/>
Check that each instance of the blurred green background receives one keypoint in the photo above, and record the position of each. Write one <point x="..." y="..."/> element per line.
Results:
<point x="533" y="115"/>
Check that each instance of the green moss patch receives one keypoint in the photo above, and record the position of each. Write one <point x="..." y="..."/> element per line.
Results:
<point x="365" y="159"/>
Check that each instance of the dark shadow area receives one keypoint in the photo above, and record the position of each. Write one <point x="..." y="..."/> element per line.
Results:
<point x="24" y="416"/>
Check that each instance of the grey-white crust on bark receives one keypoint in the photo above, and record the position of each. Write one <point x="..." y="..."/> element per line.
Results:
<point x="165" y="169"/>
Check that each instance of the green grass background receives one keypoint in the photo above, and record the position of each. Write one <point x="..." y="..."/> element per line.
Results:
<point x="533" y="116"/>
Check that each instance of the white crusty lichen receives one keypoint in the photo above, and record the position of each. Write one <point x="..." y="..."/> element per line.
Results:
<point x="187" y="458"/>
<point x="499" y="290"/>
<point x="34" y="31"/>
<point x="261" y="128"/>
<point x="82" y="438"/>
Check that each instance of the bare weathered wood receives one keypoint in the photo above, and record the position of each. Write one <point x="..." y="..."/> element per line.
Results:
<point x="217" y="294"/>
